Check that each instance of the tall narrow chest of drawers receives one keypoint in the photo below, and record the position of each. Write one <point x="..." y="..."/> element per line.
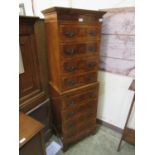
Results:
<point x="73" y="40"/>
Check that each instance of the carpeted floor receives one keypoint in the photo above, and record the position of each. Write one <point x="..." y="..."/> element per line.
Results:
<point x="104" y="142"/>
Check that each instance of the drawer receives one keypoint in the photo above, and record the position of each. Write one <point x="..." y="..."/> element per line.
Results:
<point x="79" y="66"/>
<point x="73" y="100"/>
<point x="78" y="32"/>
<point x="86" y="124"/>
<point x="80" y="135"/>
<point x="73" y="113"/>
<point x="76" y="50"/>
<point x="74" y="121"/>
<point x="91" y="124"/>
<point x="76" y="81"/>
<point x="86" y="132"/>
<point x="78" y="124"/>
<point x="71" y="125"/>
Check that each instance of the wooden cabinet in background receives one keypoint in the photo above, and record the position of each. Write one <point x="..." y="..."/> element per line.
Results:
<point x="73" y="38"/>
<point x="42" y="113"/>
<point x="33" y="82"/>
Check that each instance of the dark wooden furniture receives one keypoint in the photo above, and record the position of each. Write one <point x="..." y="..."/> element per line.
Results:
<point x="31" y="140"/>
<point x="128" y="134"/>
<point x="73" y="40"/>
<point x="33" y="82"/>
<point x="42" y="113"/>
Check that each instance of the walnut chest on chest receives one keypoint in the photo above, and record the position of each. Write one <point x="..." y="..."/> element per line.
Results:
<point x="73" y="41"/>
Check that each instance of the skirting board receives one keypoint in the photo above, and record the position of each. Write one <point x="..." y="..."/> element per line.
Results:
<point x="115" y="128"/>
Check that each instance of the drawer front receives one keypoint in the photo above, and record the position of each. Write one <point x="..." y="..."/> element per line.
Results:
<point x="75" y="111"/>
<point x="79" y="134"/>
<point x="71" y="101"/>
<point x="79" y="66"/>
<point x="80" y="123"/>
<point x="77" y="32"/>
<point x="76" y="50"/>
<point x="76" y="81"/>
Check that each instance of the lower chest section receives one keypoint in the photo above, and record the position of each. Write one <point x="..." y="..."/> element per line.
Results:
<point x="75" y="113"/>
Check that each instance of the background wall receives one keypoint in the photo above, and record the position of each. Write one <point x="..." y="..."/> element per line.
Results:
<point x="28" y="7"/>
<point x="117" y="50"/>
<point x="44" y="4"/>
<point x="114" y="97"/>
<point x="85" y="4"/>
<point x="101" y="4"/>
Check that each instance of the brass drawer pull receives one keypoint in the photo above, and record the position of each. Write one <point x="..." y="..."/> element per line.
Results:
<point x="70" y="83"/>
<point x="70" y="68"/>
<point x="80" y="108"/>
<point x="69" y="114"/>
<point x="89" y="78"/>
<point x="69" y="34"/>
<point x="81" y="97"/>
<point x="70" y="51"/>
<point x="70" y="102"/>
<point x="91" y="65"/>
<point x="91" y="48"/>
<point x="92" y="33"/>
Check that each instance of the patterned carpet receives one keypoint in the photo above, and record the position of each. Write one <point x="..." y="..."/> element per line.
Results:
<point x="104" y="142"/>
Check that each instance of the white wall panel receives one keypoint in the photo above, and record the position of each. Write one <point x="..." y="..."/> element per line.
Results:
<point x="114" y="98"/>
<point x="44" y="4"/>
<point x="28" y="7"/>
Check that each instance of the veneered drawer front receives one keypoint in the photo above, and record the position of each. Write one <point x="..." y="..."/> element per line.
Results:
<point x="79" y="134"/>
<point x="71" y="32"/>
<point x="77" y="50"/>
<point x="87" y="124"/>
<point x="76" y="81"/>
<point x="73" y="100"/>
<point x="71" y="124"/>
<point x="75" y="111"/>
<point x="77" y="66"/>
<point x="87" y="131"/>
<point x="78" y="124"/>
